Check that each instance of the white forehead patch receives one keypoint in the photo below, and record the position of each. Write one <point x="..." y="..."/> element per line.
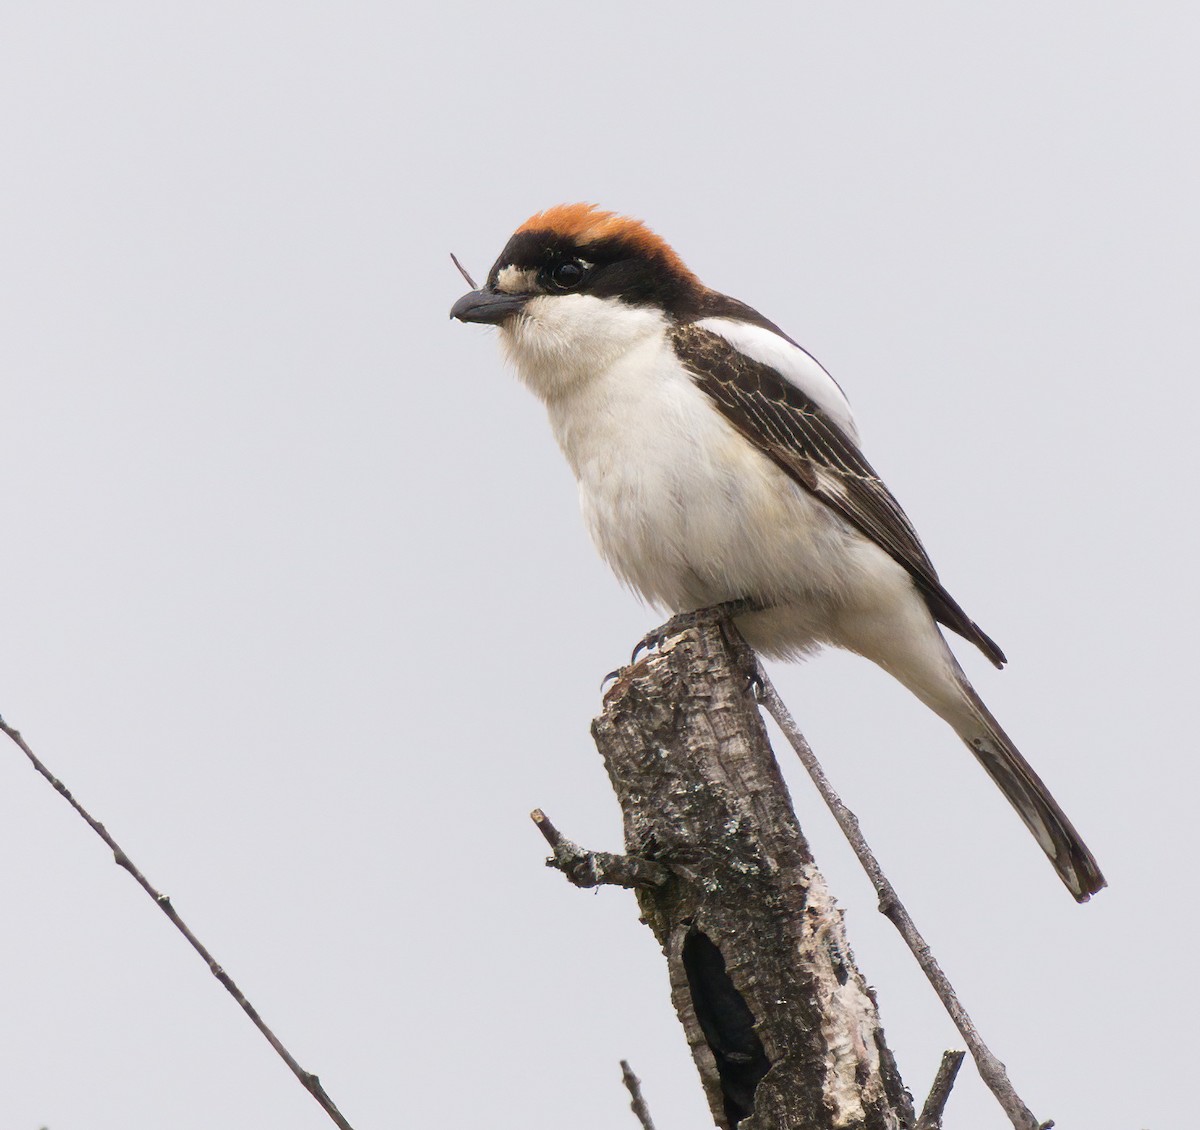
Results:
<point x="516" y="280"/>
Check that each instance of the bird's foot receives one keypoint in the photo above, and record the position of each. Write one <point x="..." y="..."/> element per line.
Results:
<point x="681" y="621"/>
<point x="754" y="680"/>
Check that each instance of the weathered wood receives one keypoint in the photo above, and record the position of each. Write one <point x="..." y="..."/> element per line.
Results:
<point x="782" y="1026"/>
<point x="943" y="1082"/>
<point x="637" y="1103"/>
<point x="991" y="1070"/>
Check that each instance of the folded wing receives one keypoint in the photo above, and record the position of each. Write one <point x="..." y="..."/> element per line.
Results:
<point x="805" y="440"/>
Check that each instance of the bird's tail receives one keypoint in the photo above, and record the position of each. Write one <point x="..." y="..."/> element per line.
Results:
<point x="994" y="750"/>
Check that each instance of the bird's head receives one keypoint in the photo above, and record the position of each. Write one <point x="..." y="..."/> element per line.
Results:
<point x="574" y="288"/>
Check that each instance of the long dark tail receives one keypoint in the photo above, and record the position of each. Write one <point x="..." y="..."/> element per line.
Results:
<point x="993" y="748"/>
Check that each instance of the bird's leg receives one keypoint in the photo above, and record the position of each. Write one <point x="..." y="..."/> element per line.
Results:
<point x="681" y="621"/>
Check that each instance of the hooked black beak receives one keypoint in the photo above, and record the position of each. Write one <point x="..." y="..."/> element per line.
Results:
<point x="490" y="307"/>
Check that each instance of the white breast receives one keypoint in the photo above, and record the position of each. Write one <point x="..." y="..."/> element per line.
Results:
<point x="682" y="507"/>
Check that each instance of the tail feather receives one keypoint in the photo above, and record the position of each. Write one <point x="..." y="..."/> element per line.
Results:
<point x="898" y="632"/>
<point x="1064" y="847"/>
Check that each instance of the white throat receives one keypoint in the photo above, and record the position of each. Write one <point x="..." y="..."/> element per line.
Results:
<point x="560" y="343"/>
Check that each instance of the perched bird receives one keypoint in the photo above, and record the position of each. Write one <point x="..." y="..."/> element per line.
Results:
<point x="718" y="461"/>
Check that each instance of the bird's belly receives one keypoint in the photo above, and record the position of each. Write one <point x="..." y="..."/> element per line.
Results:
<point x="689" y="513"/>
<point x="697" y="523"/>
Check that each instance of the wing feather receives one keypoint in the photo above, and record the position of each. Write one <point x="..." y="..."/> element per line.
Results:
<point x="792" y="430"/>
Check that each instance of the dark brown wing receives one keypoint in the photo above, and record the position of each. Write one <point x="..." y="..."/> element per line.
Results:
<point x="791" y="430"/>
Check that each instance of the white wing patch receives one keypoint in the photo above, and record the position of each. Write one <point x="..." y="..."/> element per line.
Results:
<point x="829" y="482"/>
<point x="790" y="362"/>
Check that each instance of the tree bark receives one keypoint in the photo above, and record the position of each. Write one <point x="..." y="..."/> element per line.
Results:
<point x="783" y="1027"/>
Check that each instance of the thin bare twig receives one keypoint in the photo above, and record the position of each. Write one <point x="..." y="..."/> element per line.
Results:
<point x="637" y="1104"/>
<point x="463" y="271"/>
<point x="597" y="868"/>
<point x="990" y="1068"/>
<point x="310" y="1082"/>
<point x="943" y="1081"/>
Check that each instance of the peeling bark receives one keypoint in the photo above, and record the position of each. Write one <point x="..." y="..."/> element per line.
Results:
<point x="782" y="1026"/>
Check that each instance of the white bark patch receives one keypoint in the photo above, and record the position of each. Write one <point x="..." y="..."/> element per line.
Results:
<point x="851" y="1025"/>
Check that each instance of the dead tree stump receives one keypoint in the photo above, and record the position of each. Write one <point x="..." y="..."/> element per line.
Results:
<point x="782" y="1025"/>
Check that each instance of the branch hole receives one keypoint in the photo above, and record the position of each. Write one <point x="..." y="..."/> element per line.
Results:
<point x="727" y="1023"/>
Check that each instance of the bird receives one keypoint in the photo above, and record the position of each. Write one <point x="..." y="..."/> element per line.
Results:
<point x="717" y="461"/>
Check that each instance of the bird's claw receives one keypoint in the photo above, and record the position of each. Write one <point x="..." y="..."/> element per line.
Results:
<point x="682" y="621"/>
<point x="756" y="686"/>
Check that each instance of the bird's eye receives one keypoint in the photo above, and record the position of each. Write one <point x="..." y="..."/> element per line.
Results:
<point x="567" y="275"/>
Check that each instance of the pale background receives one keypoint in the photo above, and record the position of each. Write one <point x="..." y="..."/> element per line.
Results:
<point x="295" y="596"/>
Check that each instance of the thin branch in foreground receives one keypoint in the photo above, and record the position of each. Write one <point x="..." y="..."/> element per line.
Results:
<point x="943" y="1081"/>
<point x="309" y="1081"/>
<point x="637" y="1104"/>
<point x="990" y="1068"/>
<point x="597" y="868"/>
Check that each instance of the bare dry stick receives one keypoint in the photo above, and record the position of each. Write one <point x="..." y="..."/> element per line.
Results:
<point x="943" y="1081"/>
<point x="637" y="1104"/>
<point x="463" y="271"/>
<point x="310" y="1082"/>
<point x="990" y="1068"/>
<point x="597" y="868"/>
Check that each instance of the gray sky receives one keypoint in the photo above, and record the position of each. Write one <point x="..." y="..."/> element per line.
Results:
<point x="295" y="595"/>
